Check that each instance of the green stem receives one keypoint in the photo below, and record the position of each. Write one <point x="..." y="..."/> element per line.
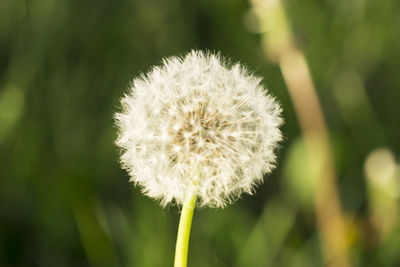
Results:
<point x="182" y="242"/>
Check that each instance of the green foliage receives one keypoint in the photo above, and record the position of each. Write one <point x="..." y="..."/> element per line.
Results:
<point x="64" y="200"/>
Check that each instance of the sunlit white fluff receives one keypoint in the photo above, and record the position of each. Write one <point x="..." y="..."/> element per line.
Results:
<point x="196" y="123"/>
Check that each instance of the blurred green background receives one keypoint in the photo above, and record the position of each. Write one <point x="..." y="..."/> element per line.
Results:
<point x="64" y="200"/>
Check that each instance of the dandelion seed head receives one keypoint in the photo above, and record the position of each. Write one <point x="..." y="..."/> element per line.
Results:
<point x="197" y="122"/>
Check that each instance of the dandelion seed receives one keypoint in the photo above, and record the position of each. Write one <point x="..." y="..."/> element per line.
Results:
<point x="198" y="113"/>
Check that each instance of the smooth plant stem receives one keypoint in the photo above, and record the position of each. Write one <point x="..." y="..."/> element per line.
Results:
<point x="185" y="223"/>
<point x="279" y="44"/>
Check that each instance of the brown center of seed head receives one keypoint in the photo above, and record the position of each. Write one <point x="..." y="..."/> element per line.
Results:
<point x="197" y="133"/>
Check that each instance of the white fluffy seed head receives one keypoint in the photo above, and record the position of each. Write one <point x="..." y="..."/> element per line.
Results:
<point x="196" y="122"/>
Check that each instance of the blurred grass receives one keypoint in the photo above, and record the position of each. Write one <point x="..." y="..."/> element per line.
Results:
<point x="64" y="201"/>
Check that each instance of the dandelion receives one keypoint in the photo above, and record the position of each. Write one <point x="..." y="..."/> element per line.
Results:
<point x="197" y="130"/>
